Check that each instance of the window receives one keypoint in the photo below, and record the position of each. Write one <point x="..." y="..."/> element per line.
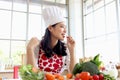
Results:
<point x="21" y="20"/>
<point x="101" y="29"/>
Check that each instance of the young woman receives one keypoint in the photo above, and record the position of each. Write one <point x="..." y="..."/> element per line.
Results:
<point x="51" y="54"/>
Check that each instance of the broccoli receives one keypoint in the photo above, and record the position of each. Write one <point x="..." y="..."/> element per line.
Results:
<point x="90" y="67"/>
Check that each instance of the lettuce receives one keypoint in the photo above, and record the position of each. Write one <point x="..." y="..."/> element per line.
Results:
<point x="26" y="73"/>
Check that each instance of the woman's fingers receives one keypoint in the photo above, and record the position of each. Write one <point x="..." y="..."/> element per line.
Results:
<point x="70" y="43"/>
<point x="70" y="39"/>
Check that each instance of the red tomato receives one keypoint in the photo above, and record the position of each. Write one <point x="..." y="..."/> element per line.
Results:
<point x="95" y="77"/>
<point x="101" y="77"/>
<point x="84" y="75"/>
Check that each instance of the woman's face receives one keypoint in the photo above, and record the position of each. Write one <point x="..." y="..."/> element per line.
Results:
<point x="58" y="31"/>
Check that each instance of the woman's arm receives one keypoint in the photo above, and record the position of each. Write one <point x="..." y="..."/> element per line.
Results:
<point x="72" y="60"/>
<point x="30" y="51"/>
<point x="71" y="47"/>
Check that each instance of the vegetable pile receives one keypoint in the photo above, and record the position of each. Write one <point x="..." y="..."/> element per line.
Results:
<point x="28" y="72"/>
<point x="84" y="70"/>
<point x="91" y="69"/>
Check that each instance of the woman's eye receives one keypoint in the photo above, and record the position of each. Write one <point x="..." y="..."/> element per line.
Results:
<point x="62" y="26"/>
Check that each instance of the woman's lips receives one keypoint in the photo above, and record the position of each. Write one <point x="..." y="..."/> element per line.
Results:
<point x="63" y="35"/>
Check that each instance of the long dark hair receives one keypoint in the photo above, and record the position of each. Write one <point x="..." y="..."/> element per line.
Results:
<point x="59" y="49"/>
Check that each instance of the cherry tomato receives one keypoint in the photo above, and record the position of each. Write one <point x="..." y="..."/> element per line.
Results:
<point x="101" y="77"/>
<point x="84" y="75"/>
<point x="95" y="77"/>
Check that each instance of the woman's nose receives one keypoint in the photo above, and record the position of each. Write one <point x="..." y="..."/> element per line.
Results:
<point x="65" y="30"/>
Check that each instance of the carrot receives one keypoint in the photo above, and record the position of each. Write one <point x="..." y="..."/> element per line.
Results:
<point x="69" y="75"/>
<point x="34" y="70"/>
<point x="77" y="75"/>
<point x="60" y="78"/>
<point x="56" y="75"/>
<point x="50" y="76"/>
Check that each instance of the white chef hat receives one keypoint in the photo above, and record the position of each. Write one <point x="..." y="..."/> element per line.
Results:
<point x="53" y="15"/>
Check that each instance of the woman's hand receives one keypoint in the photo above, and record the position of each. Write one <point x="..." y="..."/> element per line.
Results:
<point x="70" y="43"/>
<point x="33" y="43"/>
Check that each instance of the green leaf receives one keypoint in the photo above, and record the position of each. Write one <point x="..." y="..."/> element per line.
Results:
<point x="26" y="73"/>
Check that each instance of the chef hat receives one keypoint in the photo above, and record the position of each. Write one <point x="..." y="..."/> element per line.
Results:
<point x="53" y="15"/>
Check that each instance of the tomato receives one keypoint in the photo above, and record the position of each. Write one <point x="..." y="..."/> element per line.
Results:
<point x="95" y="77"/>
<point x="101" y="77"/>
<point x="84" y="75"/>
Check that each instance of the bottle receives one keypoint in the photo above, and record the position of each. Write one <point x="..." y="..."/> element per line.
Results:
<point x="15" y="73"/>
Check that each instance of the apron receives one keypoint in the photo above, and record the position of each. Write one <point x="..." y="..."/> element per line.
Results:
<point x="53" y="64"/>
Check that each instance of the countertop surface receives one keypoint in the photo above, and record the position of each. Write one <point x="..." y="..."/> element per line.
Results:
<point x="20" y="79"/>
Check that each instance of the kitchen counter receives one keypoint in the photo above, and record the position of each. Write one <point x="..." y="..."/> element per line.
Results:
<point x="3" y="71"/>
<point x="6" y="74"/>
<point x="20" y="79"/>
